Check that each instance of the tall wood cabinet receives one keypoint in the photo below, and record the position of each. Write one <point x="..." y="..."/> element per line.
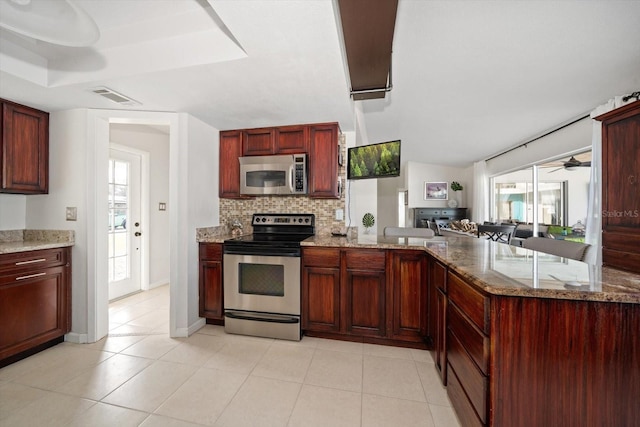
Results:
<point x="24" y="149"/>
<point x="621" y="187"/>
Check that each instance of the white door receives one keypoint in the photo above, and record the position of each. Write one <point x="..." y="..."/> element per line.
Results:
<point x="124" y="223"/>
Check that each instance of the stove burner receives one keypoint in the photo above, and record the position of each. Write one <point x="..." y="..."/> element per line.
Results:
<point x="274" y="234"/>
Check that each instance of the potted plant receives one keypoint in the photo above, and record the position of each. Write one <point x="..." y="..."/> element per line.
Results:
<point x="368" y="221"/>
<point x="457" y="188"/>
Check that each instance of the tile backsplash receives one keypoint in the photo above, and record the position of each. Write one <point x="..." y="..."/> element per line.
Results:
<point x="242" y="210"/>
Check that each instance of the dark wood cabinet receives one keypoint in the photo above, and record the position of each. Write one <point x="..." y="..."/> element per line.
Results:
<point x="321" y="289"/>
<point x="292" y="139"/>
<point x="323" y="160"/>
<point x="621" y="187"/>
<point x="438" y="315"/>
<point x="318" y="141"/>
<point x="211" y="291"/>
<point x="229" y="168"/>
<point x="371" y="295"/>
<point x="35" y="301"/>
<point x="258" y="142"/>
<point x="408" y="295"/>
<point x="467" y="351"/>
<point x="363" y="292"/>
<point x="24" y="149"/>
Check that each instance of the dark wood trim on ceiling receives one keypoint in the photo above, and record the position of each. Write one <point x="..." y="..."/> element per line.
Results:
<point x="367" y="28"/>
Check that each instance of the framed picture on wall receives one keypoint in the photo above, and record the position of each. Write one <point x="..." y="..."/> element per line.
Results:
<point x="435" y="191"/>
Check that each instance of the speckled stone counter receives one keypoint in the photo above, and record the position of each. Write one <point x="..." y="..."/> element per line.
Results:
<point x="216" y="234"/>
<point x="501" y="269"/>
<point x="13" y="241"/>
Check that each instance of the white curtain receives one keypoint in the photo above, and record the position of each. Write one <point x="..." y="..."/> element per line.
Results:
<point x="593" y="234"/>
<point x="480" y="192"/>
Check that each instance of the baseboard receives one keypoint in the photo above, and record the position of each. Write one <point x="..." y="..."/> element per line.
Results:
<point x="158" y="283"/>
<point x="76" y="338"/>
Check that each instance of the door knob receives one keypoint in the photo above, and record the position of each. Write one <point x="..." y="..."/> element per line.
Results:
<point x="137" y="234"/>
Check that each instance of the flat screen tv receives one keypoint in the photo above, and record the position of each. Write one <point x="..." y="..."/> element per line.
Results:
<point x="380" y="160"/>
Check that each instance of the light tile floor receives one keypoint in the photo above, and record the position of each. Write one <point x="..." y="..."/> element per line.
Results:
<point x="138" y="376"/>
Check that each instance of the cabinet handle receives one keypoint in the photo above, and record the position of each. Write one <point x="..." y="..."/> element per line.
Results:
<point x="30" y="276"/>
<point x="31" y="261"/>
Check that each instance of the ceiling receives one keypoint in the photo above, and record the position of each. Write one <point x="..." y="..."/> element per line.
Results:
<point x="470" y="78"/>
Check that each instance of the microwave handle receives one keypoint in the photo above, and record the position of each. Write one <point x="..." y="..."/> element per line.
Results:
<point x="292" y="174"/>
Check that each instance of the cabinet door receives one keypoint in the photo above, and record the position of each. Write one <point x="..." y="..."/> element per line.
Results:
<point x="211" y="303"/>
<point x="441" y="336"/>
<point x="229" y="168"/>
<point x="24" y="150"/>
<point x="409" y="302"/>
<point x="258" y="142"/>
<point x="363" y="291"/>
<point x="34" y="308"/>
<point x="323" y="161"/>
<point x="292" y="139"/>
<point x="321" y="299"/>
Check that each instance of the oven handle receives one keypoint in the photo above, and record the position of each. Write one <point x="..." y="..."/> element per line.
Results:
<point x="283" y="319"/>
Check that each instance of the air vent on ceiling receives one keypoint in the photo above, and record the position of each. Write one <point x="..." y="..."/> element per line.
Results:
<point x="114" y="96"/>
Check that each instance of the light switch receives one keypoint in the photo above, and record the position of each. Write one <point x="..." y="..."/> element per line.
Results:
<point x="72" y="213"/>
<point x="339" y="214"/>
<point x="162" y="206"/>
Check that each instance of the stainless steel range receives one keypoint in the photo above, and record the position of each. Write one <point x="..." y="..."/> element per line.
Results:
<point x="262" y="276"/>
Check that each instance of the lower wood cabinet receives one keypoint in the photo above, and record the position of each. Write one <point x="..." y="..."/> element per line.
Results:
<point x="365" y="294"/>
<point x="35" y="301"/>
<point x="211" y="291"/>
<point x="524" y="361"/>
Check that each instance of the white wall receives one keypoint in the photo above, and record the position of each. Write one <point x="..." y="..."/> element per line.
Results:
<point x="388" y="201"/>
<point x="156" y="143"/>
<point x="569" y="140"/>
<point x="202" y="204"/>
<point x="12" y="211"/>
<point x="67" y="187"/>
<point x="419" y="173"/>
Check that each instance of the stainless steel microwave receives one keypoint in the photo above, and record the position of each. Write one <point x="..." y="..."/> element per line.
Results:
<point x="279" y="175"/>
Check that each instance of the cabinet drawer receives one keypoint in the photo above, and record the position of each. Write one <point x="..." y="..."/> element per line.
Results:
<point x="368" y="259"/>
<point x="474" y="383"/>
<point x="32" y="260"/>
<point x="470" y="301"/>
<point x="321" y="257"/>
<point x="211" y="251"/>
<point x="475" y="343"/>
<point x="464" y="408"/>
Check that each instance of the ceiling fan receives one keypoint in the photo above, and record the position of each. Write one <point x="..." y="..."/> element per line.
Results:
<point x="573" y="164"/>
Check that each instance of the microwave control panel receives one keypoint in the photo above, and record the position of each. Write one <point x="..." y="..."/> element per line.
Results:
<point x="300" y="170"/>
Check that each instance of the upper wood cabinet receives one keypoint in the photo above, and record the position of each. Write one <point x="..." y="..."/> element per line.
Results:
<point x="621" y="187"/>
<point x="229" y="169"/>
<point x="323" y="161"/>
<point x="258" y="142"/>
<point x="24" y="149"/>
<point x="292" y="139"/>
<point x="318" y="141"/>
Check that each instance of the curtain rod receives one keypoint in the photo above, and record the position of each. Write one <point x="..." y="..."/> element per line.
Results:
<point x="524" y="144"/>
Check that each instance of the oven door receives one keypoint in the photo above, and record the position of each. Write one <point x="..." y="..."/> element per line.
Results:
<point x="262" y="284"/>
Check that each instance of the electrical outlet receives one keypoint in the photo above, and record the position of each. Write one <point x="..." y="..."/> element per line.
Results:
<point x="72" y="213"/>
<point x="339" y="214"/>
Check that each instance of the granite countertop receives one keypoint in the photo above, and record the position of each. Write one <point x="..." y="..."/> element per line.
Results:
<point x="13" y="241"/>
<point x="501" y="269"/>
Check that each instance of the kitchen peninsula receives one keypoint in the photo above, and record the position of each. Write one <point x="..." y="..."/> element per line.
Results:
<point x="521" y="338"/>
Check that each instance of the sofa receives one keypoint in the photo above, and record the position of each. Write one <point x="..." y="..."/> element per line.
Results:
<point x="561" y="248"/>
